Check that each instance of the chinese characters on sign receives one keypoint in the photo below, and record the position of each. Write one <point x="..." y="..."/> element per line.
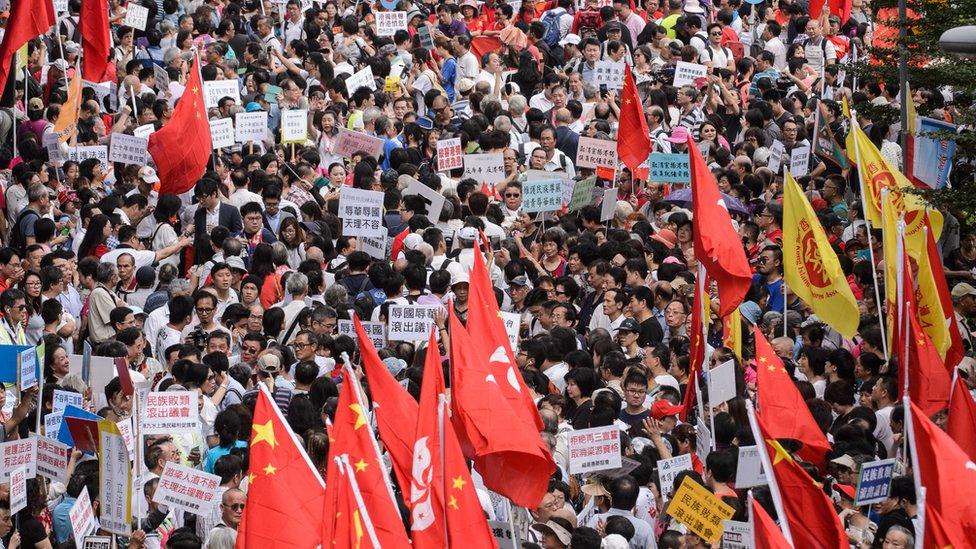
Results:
<point x="349" y="143"/>
<point x="215" y="90"/>
<point x="388" y="22"/>
<point x="170" y="411"/>
<point x="114" y="476"/>
<point x="670" y="168"/>
<point x="700" y="510"/>
<point x="668" y="469"/>
<point x="361" y="212"/>
<point x="18" y="453"/>
<point x="52" y="459"/>
<point x="82" y="517"/>
<point x="410" y="322"/>
<point x="189" y="489"/>
<point x="221" y="133"/>
<point x="685" y="74"/>
<point x="596" y="449"/>
<point x="294" y="125"/>
<point x="485" y="168"/>
<point x="376" y="331"/>
<point x="449" y="154"/>
<point x="542" y="196"/>
<point x="596" y="152"/>
<point x="874" y="482"/>
<point x="251" y="126"/>
<point x="128" y="149"/>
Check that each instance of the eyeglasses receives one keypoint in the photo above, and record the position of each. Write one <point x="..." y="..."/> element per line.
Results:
<point x="235" y="506"/>
<point x="636" y="391"/>
<point x="719" y="33"/>
<point x="512" y="195"/>
<point x="205" y="310"/>
<point x="299" y="346"/>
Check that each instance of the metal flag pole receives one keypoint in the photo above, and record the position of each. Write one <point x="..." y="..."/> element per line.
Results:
<point x="784" y="522"/>
<point x="346" y="469"/>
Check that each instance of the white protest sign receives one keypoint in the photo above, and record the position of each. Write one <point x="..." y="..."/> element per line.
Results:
<point x="361" y="79"/>
<point x="64" y="398"/>
<point x="703" y="439"/>
<point x="136" y="16"/>
<point x="114" y="478"/>
<point x="435" y="200"/>
<point x="93" y="151"/>
<point x="361" y="212"/>
<point x="52" y="424"/>
<point x="162" y="78"/>
<point x="374" y="247"/>
<point x="668" y="469"/>
<point x="27" y="364"/>
<point x="215" y="90"/>
<point x="189" y="489"/>
<point x="721" y="381"/>
<point x="609" y="204"/>
<point x="144" y="131"/>
<point x="82" y="517"/>
<point x="485" y="168"/>
<point x="609" y="74"/>
<point x="596" y="449"/>
<point x="800" y="161"/>
<point x="388" y="22"/>
<point x="54" y="151"/>
<point x="410" y="322"/>
<point x="449" y="154"/>
<point x="542" y="196"/>
<point x="128" y="149"/>
<point x="749" y="471"/>
<point x="513" y="323"/>
<point x="170" y="411"/>
<point x="251" y="126"/>
<point x="16" y="453"/>
<point x="18" y="489"/>
<point x="376" y="331"/>
<point x="737" y="535"/>
<point x="125" y="429"/>
<point x="685" y="74"/>
<point x="776" y="152"/>
<point x="294" y="126"/>
<point x="60" y="6"/>
<point x="52" y="459"/>
<point x="505" y="535"/>
<point x="592" y="153"/>
<point x="221" y="133"/>
<point x="97" y="542"/>
<point x="349" y="142"/>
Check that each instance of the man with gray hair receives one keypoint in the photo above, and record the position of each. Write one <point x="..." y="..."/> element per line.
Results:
<point x="101" y="302"/>
<point x="38" y="203"/>
<point x="297" y="287"/>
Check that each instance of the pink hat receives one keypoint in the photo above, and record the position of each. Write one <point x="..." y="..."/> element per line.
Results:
<point x="666" y="237"/>
<point x="679" y="135"/>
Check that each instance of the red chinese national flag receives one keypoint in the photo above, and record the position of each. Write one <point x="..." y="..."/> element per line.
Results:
<point x="840" y="8"/>
<point x="962" y="418"/>
<point x="717" y="245"/>
<point x="284" y="497"/>
<point x="510" y="455"/>
<point x="766" y="535"/>
<point x="95" y="41"/>
<point x="633" y="137"/>
<point x="28" y="19"/>
<point x="782" y="407"/>
<point x="353" y="526"/>
<point x="182" y="147"/>
<point x="397" y="245"/>
<point x="697" y="354"/>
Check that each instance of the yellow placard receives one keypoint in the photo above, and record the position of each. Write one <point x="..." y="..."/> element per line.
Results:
<point x="391" y="84"/>
<point x="698" y="509"/>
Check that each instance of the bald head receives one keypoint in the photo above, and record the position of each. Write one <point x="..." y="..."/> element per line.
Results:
<point x="563" y="116"/>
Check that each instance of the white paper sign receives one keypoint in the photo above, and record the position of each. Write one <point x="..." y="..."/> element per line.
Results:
<point x="125" y="429"/>
<point x="449" y="154"/>
<point x="162" y="78"/>
<point x="189" y="489"/>
<point x="376" y="331"/>
<point x="435" y="200"/>
<point x="388" y="22"/>
<point x="221" y="133"/>
<point x="294" y="126"/>
<point x="60" y="6"/>
<point x="94" y="151"/>
<point x="52" y="424"/>
<point x="410" y="322"/>
<point x="215" y="90"/>
<point x="668" y="469"/>
<point x="776" y="151"/>
<point x="609" y="74"/>
<point x="374" y="247"/>
<point x="170" y="411"/>
<point x="592" y="153"/>
<point x="136" y="16"/>
<point x="361" y="79"/>
<point x="485" y="168"/>
<point x="144" y="131"/>
<point x="361" y="212"/>
<point x="800" y="161"/>
<point x="27" y="362"/>
<point x="18" y="453"/>
<point x="749" y="471"/>
<point x="114" y="478"/>
<point x="513" y="323"/>
<point x="721" y="381"/>
<point x="609" y="204"/>
<point x="596" y="449"/>
<point x="18" y="489"/>
<point x="350" y="142"/>
<point x="251" y="126"/>
<point x="82" y="517"/>
<point x="685" y="74"/>
<point x="54" y="150"/>
<point x="737" y="535"/>
<point x="64" y="398"/>
<point x="97" y="542"/>
<point x="703" y="439"/>
<point x="52" y="459"/>
<point x="128" y="149"/>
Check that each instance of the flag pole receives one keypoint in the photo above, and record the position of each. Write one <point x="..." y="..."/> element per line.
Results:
<point x="346" y="469"/>
<point x="784" y="522"/>
<point x="441" y="403"/>
<point x="916" y="477"/>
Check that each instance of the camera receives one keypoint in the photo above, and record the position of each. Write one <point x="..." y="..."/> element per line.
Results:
<point x="198" y="338"/>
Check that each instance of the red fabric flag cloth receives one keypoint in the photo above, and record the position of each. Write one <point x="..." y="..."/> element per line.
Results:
<point x="284" y="497"/>
<point x="633" y="137"/>
<point x="182" y="148"/>
<point x="442" y="495"/>
<point x="353" y="441"/>
<point x="956" y="351"/>
<point x="717" y="246"/>
<point x="962" y="418"/>
<point x="95" y="41"/>
<point x="766" y="534"/>
<point x="510" y="456"/>
<point x="353" y="526"/>
<point x="809" y="512"/>
<point x="28" y="19"/>
<point x="782" y="406"/>
<point x="697" y="354"/>
<point x="484" y="318"/>
<point x="840" y="8"/>
<point x="949" y="478"/>
<point x="397" y="245"/>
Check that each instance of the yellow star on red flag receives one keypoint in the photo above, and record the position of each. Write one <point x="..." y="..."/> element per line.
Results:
<point x="264" y="433"/>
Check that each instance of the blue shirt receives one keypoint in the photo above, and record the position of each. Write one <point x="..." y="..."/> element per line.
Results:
<point x="62" y="524"/>
<point x="775" y="289"/>
<point x="448" y="72"/>
<point x="218" y="452"/>
<point x="388" y="146"/>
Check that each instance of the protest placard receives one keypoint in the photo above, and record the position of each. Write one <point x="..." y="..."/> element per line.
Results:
<point x="874" y="481"/>
<point x="668" y="469"/>
<point x="97" y="542"/>
<point x="485" y="168"/>
<point x="350" y="142"/>
<point x="162" y="78"/>
<point x="191" y="490"/>
<point x="52" y="459"/>
<point x="505" y="536"/>
<point x="800" y="161"/>
<point x="449" y="154"/>
<point x="582" y="193"/>
<point x="82" y="517"/>
<point x="64" y="398"/>
<point x="700" y="510"/>
<point x="609" y="74"/>
<point x="737" y="535"/>
<point x="703" y="437"/>
<point x="721" y="381"/>
<point x="18" y="489"/>
<point x="388" y="22"/>
<point x="374" y="247"/>
<point x="670" y="168"/>
<point x="215" y="90"/>
<point x="375" y="331"/>
<point x="608" y="204"/>
<point x="426" y="40"/>
<point x="144" y="131"/>
<point x="16" y="453"/>
<point x="596" y="152"/>
<point x="391" y="84"/>
<point x="542" y="196"/>
<point x="596" y="449"/>
<point x="361" y="79"/>
<point x="685" y="74"/>
<point x="114" y="476"/>
<point x="60" y="6"/>
<point x="221" y="133"/>
<point x="55" y="151"/>
<point x="513" y="323"/>
<point x="250" y="126"/>
<point x="170" y="411"/>
<point x="128" y="149"/>
<point x="136" y="16"/>
<point x="27" y="366"/>
<point x="294" y="126"/>
<point x="434" y="199"/>
<point x="52" y="424"/>
<point x="361" y="212"/>
<point x="92" y="151"/>
<point x="410" y="322"/>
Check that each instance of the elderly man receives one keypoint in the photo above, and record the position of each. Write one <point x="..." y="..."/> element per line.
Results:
<point x="297" y="288"/>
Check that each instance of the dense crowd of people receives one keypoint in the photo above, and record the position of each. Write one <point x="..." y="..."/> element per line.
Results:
<point x="245" y="282"/>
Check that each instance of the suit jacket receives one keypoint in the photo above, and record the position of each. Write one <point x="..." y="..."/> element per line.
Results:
<point x="567" y="141"/>
<point x="227" y="216"/>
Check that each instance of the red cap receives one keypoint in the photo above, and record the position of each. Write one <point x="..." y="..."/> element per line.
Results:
<point x="846" y="489"/>
<point x="662" y="409"/>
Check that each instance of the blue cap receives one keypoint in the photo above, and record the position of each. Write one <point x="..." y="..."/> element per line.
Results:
<point x="389" y="4"/>
<point x="252" y="107"/>
<point x="425" y="123"/>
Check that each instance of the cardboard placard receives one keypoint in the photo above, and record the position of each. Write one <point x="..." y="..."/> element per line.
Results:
<point x="608" y="204"/>
<point x="388" y="22"/>
<point x="361" y="212"/>
<point x="294" y="126"/>
<point x="376" y="331"/>
<point x="191" y="490"/>
<point x="82" y="517"/>
<point x="737" y="535"/>
<point x="18" y="489"/>
<point x="449" y="154"/>
<point x="115" y="479"/>
<point x="582" y="193"/>
<point x="136" y="16"/>
<point x="800" y="161"/>
<point x="592" y="450"/>
<point x="485" y="168"/>
<point x="610" y="74"/>
<point x="361" y="79"/>
<point x="721" y="383"/>
<point x="93" y="151"/>
<point x="215" y="90"/>
<point x="350" y="142"/>
<point x="128" y="149"/>
<point x="63" y="398"/>
<point x="52" y="459"/>
<point x="874" y="481"/>
<point x="374" y="247"/>
<point x="670" y="168"/>
<point x="685" y="74"/>
<point x="776" y="152"/>
<point x="596" y="152"/>
<point x="250" y="126"/>
<point x="749" y="471"/>
<point x="542" y="196"/>
<point x="27" y="367"/>
<point x="668" y="469"/>
<point x="170" y="411"/>
<point x="435" y="200"/>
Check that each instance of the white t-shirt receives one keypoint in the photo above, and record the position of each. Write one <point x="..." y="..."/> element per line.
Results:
<point x="167" y="337"/>
<point x="719" y="57"/>
<point x="143" y="258"/>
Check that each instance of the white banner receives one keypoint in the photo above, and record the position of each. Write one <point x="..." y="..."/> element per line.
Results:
<point x="27" y="363"/>
<point x="191" y="490"/>
<point x="410" y="322"/>
<point x="388" y="22"/>
<point x="361" y="212"/>
<point x="361" y="79"/>
<point x="170" y="411"/>
<point x="375" y="331"/>
<point x="215" y="90"/>
<point x="776" y="156"/>
<point x="114" y="476"/>
<point x="485" y="168"/>
<point x="609" y="74"/>
<point x="82" y="517"/>
<point x="374" y="247"/>
<point x="128" y="149"/>
<point x="221" y="133"/>
<point x="596" y="449"/>
<point x="52" y="459"/>
<point x="294" y="126"/>
<point x="136" y="16"/>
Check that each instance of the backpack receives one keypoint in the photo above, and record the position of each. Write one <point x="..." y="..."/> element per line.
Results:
<point x="17" y="239"/>
<point x="589" y="23"/>
<point x="551" y="23"/>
